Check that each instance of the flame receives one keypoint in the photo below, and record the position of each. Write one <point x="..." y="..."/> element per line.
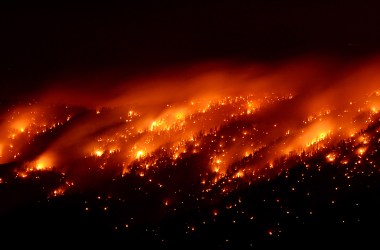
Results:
<point x="99" y="153"/>
<point x="361" y="150"/>
<point x="44" y="162"/>
<point x="331" y="157"/>
<point x="223" y="114"/>
<point x="140" y="153"/>
<point x="20" y="125"/>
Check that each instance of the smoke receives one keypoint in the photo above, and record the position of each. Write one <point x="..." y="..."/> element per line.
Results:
<point x="284" y="107"/>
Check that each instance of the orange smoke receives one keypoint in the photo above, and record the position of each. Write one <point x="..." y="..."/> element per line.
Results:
<point x="224" y="111"/>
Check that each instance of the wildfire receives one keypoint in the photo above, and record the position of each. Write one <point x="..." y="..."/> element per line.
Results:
<point x="230" y="133"/>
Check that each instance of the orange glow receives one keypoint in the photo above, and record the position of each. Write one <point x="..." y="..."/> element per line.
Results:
<point x="20" y="125"/>
<point x="140" y="154"/>
<point x="344" y="161"/>
<point x="44" y="162"/>
<point x="59" y="191"/>
<point x="239" y="174"/>
<point x="98" y="153"/>
<point x="236" y="118"/>
<point x="330" y="157"/>
<point x="180" y="116"/>
<point x="361" y="150"/>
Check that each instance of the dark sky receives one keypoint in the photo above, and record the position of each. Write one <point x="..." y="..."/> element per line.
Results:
<point x="41" y="44"/>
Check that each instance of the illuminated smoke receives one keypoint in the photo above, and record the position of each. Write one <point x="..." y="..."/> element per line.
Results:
<point x="225" y="112"/>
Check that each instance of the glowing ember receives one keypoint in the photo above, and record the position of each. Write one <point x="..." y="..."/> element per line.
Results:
<point x="361" y="150"/>
<point x="331" y="157"/>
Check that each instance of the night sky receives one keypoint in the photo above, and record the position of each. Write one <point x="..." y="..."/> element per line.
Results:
<point x="39" y="45"/>
<point x="226" y="124"/>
